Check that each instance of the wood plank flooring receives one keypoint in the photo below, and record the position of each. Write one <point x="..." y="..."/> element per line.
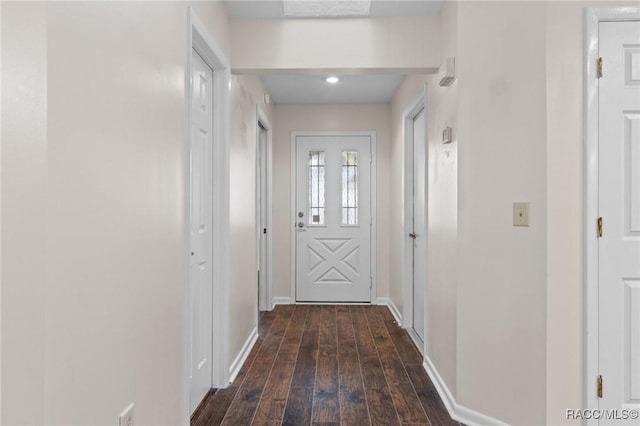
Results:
<point x="328" y="365"/>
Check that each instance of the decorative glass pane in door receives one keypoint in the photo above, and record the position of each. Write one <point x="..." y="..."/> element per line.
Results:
<point x="316" y="187"/>
<point x="349" y="187"/>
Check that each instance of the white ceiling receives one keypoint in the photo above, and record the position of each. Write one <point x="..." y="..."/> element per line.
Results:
<point x="305" y="88"/>
<point x="274" y="9"/>
<point x="312" y="89"/>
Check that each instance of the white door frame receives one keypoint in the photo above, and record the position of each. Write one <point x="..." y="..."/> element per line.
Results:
<point x="207" y="47"/>
<point x="374" y="220"/>
<point x="0" y="233"/>
<point x="593" y="16"/>
<point x="266" y="288"/>
<point x="418" y="104"/>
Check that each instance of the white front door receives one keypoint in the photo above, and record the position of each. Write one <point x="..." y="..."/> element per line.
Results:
<point x="333" y="218"/>
<point x="619" y="207"/>
<point x="201" y="238"/>
<point x="419" y="223"/>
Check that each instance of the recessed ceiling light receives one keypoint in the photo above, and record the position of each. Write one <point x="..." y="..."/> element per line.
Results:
<point x="332" y="79"/>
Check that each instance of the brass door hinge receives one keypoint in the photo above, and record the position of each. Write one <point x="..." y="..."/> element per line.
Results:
<point x="600" y="227"/>
<point x="600" y="73"/>
<point x="599" y="386"/>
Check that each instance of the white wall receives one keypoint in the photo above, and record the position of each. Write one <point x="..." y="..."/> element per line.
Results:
<point x="301" y="44"/>
<point x="246" y="93"/>
<point x="116" y="154"/>
<point x="501" y="294"/>
<point x="93" y="194"/>
<point x="214" y="15"/>
<point x="290" y="118"/>
<point x="564" y="209"/>
<point x="442" y="266"/>
<point x="24" y="179"/>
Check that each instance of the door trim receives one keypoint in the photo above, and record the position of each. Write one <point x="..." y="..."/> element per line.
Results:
<point x="593" y="16"/>
<point x="206" y="46"/>
<point x="266" y="288"/>
<point x="418" y="104"/>
<point x="374" y="220"/>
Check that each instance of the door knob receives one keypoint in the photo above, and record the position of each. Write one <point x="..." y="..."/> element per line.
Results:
<point x="300" y="224"/>
<point x="300" y="214"/>
<point x="412" y="235"/>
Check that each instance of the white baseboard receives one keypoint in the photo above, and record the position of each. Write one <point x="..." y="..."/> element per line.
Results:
<point x="392" y="307"/>
<point x="281" y="301"/>
<point x="441" y="387"/>
<point x="416" y="340"/>
<point x="237" y="363"/>
<point x="457" y="412"/>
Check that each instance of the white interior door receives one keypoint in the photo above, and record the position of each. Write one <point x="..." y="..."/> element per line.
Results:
<point x="262" y="217"/>
<point x="201" y="238"/>
<point x="619" y="207"/>
<point x="419" y="223"/>
<point x="333" y="220"/>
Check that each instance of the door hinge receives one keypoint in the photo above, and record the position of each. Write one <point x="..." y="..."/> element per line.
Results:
<point x="600" y="73"/>
<point x="599" y="386"/>
<point x="600" y="233"/>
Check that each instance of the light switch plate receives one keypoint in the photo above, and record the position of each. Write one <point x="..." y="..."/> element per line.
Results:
<point x="126" y="417"/>
<point x="520" y="214"/>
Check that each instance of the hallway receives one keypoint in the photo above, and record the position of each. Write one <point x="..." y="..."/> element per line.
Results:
<point x="329" y="364"/>
<point x="161" y="184"/>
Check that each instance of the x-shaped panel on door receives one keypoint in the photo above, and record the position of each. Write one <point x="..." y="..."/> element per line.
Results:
<point x="333" y="261"/>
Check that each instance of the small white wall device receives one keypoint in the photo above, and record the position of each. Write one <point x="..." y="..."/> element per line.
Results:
<point x="450" y="73"/>
<point x="447" y="135"/>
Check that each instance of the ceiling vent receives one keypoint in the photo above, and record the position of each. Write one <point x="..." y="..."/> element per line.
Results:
<point x="325" y="9"/>
<point x="450" y="73"/>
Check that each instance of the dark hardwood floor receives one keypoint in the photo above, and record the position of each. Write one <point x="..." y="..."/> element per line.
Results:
<point x="328" y="365"/>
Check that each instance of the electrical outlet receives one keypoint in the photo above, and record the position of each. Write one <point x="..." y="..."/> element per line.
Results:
<point x="520" y="214"/>
<point x="126" y="417"/>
